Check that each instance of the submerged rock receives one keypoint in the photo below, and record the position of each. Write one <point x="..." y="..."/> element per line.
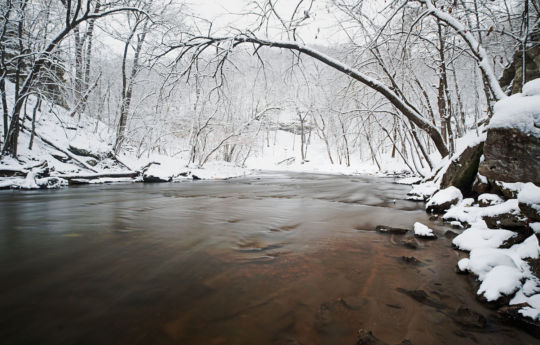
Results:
<point x="512" y="315"/>
<point x="411" y="243"/>
<point x="411" y="260"/>
<point x="390" y="230"/>
<point x="366" y="337"/>
<point x="450" y="234"/>
<point x="469" y="318"/>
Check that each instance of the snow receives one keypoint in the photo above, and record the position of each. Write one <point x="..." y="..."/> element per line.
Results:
<point x="501" y="270"/>
<point x="465" y="213"/>
<point x="421" y="192"/>
<point x="479" y="237"/>
<point x="408" y="180"/>
<point x="490" y="199"/>
<point x="535" y="227"/>
<point x="520" y="111"/>
<point x="501" y="280"/>
<point x="530" y="194"/>
<point x="532" y="88"/>
<point x="29" y="182"/>
<point x="447" y="195"/>
<point x="422" y="230"/>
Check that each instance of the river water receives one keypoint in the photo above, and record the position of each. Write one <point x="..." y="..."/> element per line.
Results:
<point x="270" y="259"/>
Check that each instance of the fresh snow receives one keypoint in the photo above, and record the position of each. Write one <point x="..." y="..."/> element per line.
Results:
<point x="532" y="88"/>
<point x="520" y="111"/>
<point x="446" y="195"/>
<point x="490" y="199"/>
<point x="466" y="213"/>
<point x="530" y="194"/>
<point x="501" y="280"/>
<point x="422" y="230"/>
<point x="479" y="237"/>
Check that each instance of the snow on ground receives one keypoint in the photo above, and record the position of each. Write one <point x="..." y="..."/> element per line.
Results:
<point x="86" y="135"/>
<point x="422" y="231"/>
<point x="283" y="154"/>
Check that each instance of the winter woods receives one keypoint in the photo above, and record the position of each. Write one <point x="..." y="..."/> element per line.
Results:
<point x="368" y="80"/>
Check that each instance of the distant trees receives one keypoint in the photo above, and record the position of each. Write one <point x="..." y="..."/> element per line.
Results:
<point x="394" y="42"/>
<point x="40" y="28"/>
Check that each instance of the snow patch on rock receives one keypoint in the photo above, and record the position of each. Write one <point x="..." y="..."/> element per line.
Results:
<point x="421" y="230"/>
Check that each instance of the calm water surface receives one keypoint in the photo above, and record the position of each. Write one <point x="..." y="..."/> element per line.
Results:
<point x="274" y="259"/>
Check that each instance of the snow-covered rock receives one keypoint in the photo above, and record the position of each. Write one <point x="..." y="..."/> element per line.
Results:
<point x="443" y="199"/>
<point x="422" y="231"/>
<point x="520" y="111"/>
<point x="478" y="237"/>
<point x="500" y="281"/>
<point x="423" y="191"/>
<point x="488" y="199"/>
<point x="532" y="88"/>
<point x="512" y="145"/>
<point x="529" y="201"/>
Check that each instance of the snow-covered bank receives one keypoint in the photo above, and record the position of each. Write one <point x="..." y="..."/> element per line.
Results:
<point x="79" y="150"/>
<point x="499" y="205"/>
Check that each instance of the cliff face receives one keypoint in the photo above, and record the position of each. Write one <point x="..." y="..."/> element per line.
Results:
<point x="513" y="74"/>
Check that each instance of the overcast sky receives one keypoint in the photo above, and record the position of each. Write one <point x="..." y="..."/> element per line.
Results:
<point x="321" y="28"/>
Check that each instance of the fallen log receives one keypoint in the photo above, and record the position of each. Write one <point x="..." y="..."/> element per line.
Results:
<point x="131" y="174"/>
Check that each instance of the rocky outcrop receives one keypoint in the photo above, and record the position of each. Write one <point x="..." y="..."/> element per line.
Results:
<point x="511" y="156"/>
<point x="461" y="172"/>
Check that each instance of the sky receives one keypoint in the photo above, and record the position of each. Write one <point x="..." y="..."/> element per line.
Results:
<point x="320" y="29"/>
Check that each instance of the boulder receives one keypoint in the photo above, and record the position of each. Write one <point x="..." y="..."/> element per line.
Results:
<point x="511" y="221"/>
<point x="441" y="201"/>
<point x="486" y="199"/>
<point x="529" y="201"/>
<point x="511" y="156"/>
<point x="462" y="170"/>
<point x="480" y="184"/>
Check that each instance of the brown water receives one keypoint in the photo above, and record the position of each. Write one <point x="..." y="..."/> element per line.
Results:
<point x="276" y="259"/>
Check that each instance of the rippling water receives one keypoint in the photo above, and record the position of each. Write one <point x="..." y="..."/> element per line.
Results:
<point x="274" y="259"/>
